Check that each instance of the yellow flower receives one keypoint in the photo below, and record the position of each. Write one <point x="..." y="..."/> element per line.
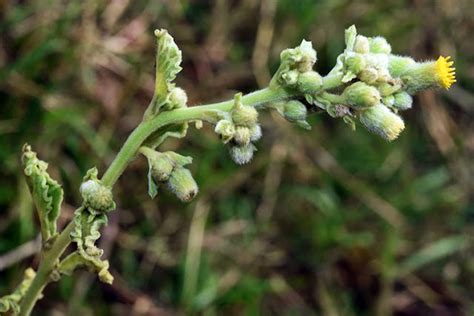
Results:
<point x="445" y="71"/>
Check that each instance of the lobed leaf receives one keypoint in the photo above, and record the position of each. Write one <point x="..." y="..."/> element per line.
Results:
<point x="46" y="192"/>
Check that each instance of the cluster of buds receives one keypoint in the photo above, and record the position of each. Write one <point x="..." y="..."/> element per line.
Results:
<point x="169" y="168"/>
<point x="296" y="69"/>
<point x="239" y="130"/>
<point x="375" y="84"/>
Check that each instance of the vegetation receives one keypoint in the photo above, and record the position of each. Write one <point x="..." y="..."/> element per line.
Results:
<point x="312" y="244"/>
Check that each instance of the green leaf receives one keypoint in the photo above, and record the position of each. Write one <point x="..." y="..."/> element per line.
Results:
<point x="11" y="302"/>
<point x="86" y="232"/>
<point x="350" y="36"/>
<point x="47" y="193"/>
<point x="168" y="60"/>
<point x="152" y="186"/>
<point x="175" y="131"/>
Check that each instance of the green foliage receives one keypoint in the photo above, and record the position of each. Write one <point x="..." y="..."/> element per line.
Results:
<point x="47" y="193"/>
<point x="327" y="254"/>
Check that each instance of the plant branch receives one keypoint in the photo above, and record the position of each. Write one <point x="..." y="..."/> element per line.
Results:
<point x="125" y="155"/>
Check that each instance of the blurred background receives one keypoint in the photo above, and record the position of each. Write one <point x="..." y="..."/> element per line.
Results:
<point x="328" y="222"/>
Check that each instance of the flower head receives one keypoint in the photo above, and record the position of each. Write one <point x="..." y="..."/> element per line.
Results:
<point x="445" y="71"/>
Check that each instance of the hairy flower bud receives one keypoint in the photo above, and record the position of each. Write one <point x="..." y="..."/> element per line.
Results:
<point x="177" y="98"/>
<point x="402" y="101"/>
<point x="368" y="75"/>
<point x="355" y="63"/>
<point x="242" y="135"/>
<point x="380" y="45"/>
<point x="182" y="184"/>
<point x="360" y="95"/>
<point x="225" y="129"/>
<point x="310" y="82"/>
<point x="308" y="56"/>
<point x="361" y="44"/>
<point x="388" y="100"/>
<point x="290" y="77"/>
<point x="242" y="154"/>
<point x="161" y="167"/>
<point x="294" y="111"/>
<point x="255" y="133"/>
<point x="381" y="121"/>
<point x="243" y="115"/>
<point x="97" y="196"/>
<point x="399" y="64"/>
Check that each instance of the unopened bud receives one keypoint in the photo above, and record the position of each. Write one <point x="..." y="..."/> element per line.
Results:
<point x="360" y="95"/>
<point x="290" y="77"/>
<point x="355" y="63"/>
<point x="242" y="135"/>
<point x="182" y="184"/>
<point x="397" y="65"/>
<point x="388" y="100"/>
<point x="308" y="56"/>
<point x="402" y="101"/>
<point x="310" y="82"/>
<point x="97" y="196"/>
<point x="361" y="44"/>
<point x="381" y="121"/>
<point x="161" y="167"/>
<point x="177" y="98"/>
<point x="242" y="154"/>
<point x="255" y="133"/>
<point x="243" y="115"/>
<point x="368" y="75"/>
<point x="225" y="129"/>
<point x="294" y="111"/>
<point x="379" y="45"/>
<point x="383" y="75"/>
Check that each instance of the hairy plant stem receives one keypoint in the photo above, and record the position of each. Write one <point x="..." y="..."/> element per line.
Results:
<point x="125" y="155"/>
<point x="48" y="262"/>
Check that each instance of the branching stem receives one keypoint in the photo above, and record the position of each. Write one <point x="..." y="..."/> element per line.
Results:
<point x="115" y="170"/>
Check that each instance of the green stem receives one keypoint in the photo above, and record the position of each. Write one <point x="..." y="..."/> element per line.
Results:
<point x="333" y="98"/>
<point x="125" y="155"/>
<point x="332" y="81"/>
<point x="47" y="265"/>
<point x="146" y="128"/>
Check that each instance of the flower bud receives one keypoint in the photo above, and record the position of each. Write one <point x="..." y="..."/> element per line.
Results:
<point x="161" y="167"/>
<point x="290" y="77"/>
<point x="383" y="75"/>
<point x="310" y="82"/>
<point x="379" y="45"/>
<point x="255" y="133"/>
<point x="294" y="111"/>
<point x="361" y="95"/>
<point x="177" y="98"/>
<point x="361" y="44"/>
<point x="381" y="121"/>
<point x="244" y="115"/>
<point x="97" y="196"/>
<point x="182" y="184"/>
<point x="402" y="101"/>
<point x="368" y="75"/>
<point x="308" y="56"/>
<point x="355" y="63"/>
<point x="398" y="65"/>
<point x="242" y="135"/>
<point x="388" y="100"/>
<point x="431" y="74"/>
<point x="242" y="154"/>
<point x="225" y="129"/>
